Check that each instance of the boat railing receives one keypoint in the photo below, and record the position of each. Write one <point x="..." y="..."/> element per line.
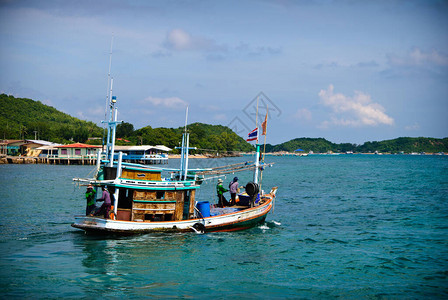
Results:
<point x="148" y="183"/>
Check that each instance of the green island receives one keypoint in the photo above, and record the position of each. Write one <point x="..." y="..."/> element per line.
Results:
<point x="22" y="118"/>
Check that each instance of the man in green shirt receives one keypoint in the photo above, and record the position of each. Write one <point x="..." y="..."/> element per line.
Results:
<point x="220" y="190"/>
<point x="90" y="197"/>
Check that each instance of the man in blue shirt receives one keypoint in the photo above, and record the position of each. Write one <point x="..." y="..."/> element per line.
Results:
<point x="105" y="208"/>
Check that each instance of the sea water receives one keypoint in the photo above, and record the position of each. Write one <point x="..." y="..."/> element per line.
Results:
<point x="349" y="226"/>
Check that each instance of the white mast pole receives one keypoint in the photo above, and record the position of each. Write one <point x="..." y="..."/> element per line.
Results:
<point x="187" y="142"/>
<point x="264" y="147"/>
<point x="182" y="155"/>
<point x="108" y="77"/>
<point x="108" y="92"/>
<point x="186" y="119"/>
<point x="257" y="154"/>
<point x="110" y="131"/>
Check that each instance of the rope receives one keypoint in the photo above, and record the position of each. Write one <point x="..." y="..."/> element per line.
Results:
<point x="232" y="170"/>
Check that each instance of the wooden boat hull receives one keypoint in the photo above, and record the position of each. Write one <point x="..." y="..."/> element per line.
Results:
<point x="234" y="221"/>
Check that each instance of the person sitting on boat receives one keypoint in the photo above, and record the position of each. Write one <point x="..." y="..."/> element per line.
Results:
<point x="220" y="190"/>
<point x="233" y="187"/>
<point x="105" y="208"/>
<point x="90" y="197"/>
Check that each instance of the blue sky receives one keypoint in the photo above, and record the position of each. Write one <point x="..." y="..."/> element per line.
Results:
<point x="347" y="71"/>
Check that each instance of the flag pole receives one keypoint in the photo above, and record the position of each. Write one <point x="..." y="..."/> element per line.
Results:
<point x="266" y="132"/>
<point x="257" y="154"/>
<point x="265" y="129"/>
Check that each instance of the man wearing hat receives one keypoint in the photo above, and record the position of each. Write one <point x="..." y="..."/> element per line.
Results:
<point x="105" y="207"/>
<point x="220" y="190"/>
<point x="233" y="187"/>
<point x="90" y="197"/>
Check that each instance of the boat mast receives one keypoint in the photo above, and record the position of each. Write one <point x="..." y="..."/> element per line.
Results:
<point x="113" y="114"/>
<point x="185" y="142"/>
<point x="108" y="88"/>
<point x="257" y="145"/>
<point x="183" y="172"/>
<point x="112" y="129"/>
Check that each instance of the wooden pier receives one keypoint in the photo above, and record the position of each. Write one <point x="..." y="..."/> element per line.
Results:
<point x="47" y="160"/>
<point x="78" y="160"/>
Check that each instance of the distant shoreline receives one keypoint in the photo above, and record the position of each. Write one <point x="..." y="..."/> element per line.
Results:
<point x="42" y="160"/>
<point x="64" y="161"/>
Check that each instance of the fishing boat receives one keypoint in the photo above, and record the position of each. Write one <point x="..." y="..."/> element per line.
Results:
<point x="145" y="200"/>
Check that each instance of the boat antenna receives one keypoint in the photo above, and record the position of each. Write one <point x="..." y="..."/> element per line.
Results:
<point x="186" y="118"/>
<point x="184" y="150"/>
<point x="108" y="91"/>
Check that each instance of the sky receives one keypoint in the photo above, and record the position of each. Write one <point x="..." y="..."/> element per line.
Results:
<point x="347" y="71"/>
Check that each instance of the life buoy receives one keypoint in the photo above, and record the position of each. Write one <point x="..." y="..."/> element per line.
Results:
<point x="252" y="189"/>
<point x="198" y="227"/>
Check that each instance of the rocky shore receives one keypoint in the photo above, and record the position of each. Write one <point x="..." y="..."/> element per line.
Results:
<point x="20" y="160"/>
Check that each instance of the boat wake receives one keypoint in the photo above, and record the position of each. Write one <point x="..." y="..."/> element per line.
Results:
<point x="269" y="225"/>
<point x="264" y="227"/>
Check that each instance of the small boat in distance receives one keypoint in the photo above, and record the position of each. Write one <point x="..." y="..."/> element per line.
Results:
<point x="144" y="201"/>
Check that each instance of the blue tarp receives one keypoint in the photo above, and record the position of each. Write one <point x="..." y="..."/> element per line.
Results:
<point x="298" y="150"/>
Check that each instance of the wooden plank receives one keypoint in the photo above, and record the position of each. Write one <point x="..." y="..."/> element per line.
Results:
<point x="141" y="175"/>
<point x="154" y="206"/>
<point x="144" y="195"/>
<point x="124" y="214"/>
<point x="170" y="195"/>
<point x="178" y="215"/>
<point x="192" y="200"/>
<point x="154" y="211"/>
<point x="155" y="201"/>
<point x="138" y="216"/>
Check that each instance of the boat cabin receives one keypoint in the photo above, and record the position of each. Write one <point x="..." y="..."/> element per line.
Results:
<point x="144" y="197"/>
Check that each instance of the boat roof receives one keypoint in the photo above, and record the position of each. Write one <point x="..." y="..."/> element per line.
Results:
<point x="142" y="148"/>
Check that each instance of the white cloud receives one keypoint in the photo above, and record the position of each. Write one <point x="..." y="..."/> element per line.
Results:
<point x="220" y="117"/>
<point x="418" y="57"/>
<point x="303" y="114"/>
<point x="170" y="102"/>
<point x="415" y="126"/>
<point x="93" y="113"/>
<point x="180" y="40"/>
<point x="210" y="107"/>
<point x="358" y="110"/>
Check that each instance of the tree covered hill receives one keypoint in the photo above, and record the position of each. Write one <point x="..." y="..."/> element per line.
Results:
<point x="407" y="145"/>
<point x="203" y="136"/>
<point x="402" y="144"/>
<point x="22" y="118"/>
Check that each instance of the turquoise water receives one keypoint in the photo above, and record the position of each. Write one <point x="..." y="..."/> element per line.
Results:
<point x="349" y="226"/>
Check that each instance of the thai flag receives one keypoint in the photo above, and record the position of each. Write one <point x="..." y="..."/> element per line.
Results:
<point x="253" y="135"/>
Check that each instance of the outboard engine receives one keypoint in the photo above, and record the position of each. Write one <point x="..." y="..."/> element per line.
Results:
<point x="252" y="190"/>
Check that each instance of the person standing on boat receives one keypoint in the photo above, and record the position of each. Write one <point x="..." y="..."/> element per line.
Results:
<point x="105" y="208"/>
<point x="90" y="197"/>
<point x="233" y="187"/>
<point x="220" y="190"/>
